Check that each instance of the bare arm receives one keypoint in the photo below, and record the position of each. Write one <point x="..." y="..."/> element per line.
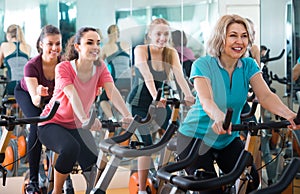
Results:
<point x="35" y="90"/>
<point x="296" y="71"/>
<point x="205" y="94"/>
<point x="268" y="99"/>
<point x="1" y="55"/>
<point x="177" y="70"/>
<point x="75" y="101"/>
<point x="125" y="46"/>
<point x="115" y="97"/>
<point x="255" y="54"/>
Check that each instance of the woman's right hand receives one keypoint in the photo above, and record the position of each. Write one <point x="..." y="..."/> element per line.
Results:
<point x="97" y="125"/>
<point x="42" y="91"/>
<point x="217" y="126"/>
<point x="162" y="103"/>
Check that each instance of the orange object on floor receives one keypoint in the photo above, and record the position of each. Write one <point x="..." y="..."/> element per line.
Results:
<point x="134" y="184"/>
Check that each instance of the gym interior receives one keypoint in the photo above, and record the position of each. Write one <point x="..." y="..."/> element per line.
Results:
<point x="277" y="26"/>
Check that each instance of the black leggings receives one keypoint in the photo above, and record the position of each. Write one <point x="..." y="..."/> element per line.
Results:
<point x="71" y="144"/>
<point x="24" y="101"/>
<point x="225" y="158"/>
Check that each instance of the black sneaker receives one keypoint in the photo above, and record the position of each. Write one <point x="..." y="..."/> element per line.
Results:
<point x="32" y="188"/>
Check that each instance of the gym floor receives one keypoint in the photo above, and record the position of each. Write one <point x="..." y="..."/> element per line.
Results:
<point x="14" y="185"/>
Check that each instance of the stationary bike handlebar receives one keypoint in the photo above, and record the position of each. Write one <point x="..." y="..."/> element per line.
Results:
<point x="292" y="168"/>
<point x="196" y="184"/>
<point x="283" y="80"/>
<point x="112" y="146"/>
<point x="12" y="120"/>
<point x="266" y="58"/>
<point x="252" y="126"/>
<point x="285" y="179"/>
<point x="108" y="124"/>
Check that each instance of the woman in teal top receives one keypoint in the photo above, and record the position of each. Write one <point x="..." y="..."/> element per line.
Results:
<point x="221" y="80"/>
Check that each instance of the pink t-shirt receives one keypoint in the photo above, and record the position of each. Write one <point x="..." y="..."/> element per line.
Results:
<point x="65" y="74"/>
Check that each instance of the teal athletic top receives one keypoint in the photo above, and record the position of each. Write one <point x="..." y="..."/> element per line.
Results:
<point x="226" y="95"/>
<point x="298" y="60"/>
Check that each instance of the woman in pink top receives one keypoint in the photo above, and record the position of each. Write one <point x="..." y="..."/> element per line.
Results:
<point x="77" y="82"/>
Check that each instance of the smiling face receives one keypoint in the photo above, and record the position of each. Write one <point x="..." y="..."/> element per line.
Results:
<point x="89" y="47"/>
<point x="159" y="35"/>
<point x="51" y="46"/>
<point x="236" y="41"/>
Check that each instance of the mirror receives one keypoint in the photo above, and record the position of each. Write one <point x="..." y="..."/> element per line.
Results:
<point x="286" y="34"/>
<point x="295" y="45"/>
<point x="282" y="57"/>
<point x="195" y="17"/>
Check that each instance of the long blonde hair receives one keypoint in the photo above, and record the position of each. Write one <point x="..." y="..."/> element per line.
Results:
<point x="16" y="32"/>
<point x="167" y="51"/>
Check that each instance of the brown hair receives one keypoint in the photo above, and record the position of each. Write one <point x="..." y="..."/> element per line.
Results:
<point x="176" y="38"/>
<point x="46" y="30"/>
<point x="70" y="52"/>
<point x="112" y="29"/>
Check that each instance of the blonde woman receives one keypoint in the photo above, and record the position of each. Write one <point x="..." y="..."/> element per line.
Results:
<point x="14" y="53"/>
<point x="154" y="63"/>
<point x="222" y="80"/>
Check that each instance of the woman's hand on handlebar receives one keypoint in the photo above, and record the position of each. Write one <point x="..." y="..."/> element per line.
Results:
<point x="217" y="126"/>
<point x="126" y="121"/>
<point x="162" y="103"/>
<point x="292" y="125"/>
<point x="97" y="125"/>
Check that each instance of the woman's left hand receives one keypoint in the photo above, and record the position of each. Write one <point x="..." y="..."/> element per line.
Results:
<point x="126" y="121"/>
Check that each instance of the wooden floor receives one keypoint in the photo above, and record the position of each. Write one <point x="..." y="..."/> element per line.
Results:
<point x="13" y="186"/>
<point x="111" y="191"/>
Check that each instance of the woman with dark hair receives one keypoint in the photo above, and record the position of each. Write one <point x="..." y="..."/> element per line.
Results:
<point x="38" y="84"/>
<point x="186" y="55"/>
<point x="77" y="82"/>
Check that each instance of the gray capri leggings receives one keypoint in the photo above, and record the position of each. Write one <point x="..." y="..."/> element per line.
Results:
<point x="71" y="144"/>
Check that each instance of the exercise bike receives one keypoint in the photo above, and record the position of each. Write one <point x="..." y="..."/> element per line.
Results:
<point x="111" y="147"/>
<point x="10" y="122"/>
<point x="200" y="182"/>
<point x="48" y="159"/>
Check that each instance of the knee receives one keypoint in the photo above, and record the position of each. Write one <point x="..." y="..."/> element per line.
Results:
<point x="67" y="158"/>
<point x="70" y="150"/>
